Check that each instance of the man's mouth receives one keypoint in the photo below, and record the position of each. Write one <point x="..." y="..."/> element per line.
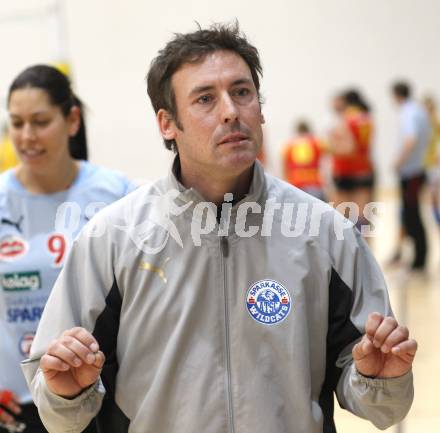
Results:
<point x="233" y="138"/>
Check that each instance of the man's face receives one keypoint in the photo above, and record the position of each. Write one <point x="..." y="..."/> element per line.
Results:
<point x="219" y="116"/>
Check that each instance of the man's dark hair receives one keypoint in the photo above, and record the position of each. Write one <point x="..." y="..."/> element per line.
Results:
<point x="193" y="48"/>
<point x="402" y="89"/>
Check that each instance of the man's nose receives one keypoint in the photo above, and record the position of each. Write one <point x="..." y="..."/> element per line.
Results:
<point x="229" y="111"/>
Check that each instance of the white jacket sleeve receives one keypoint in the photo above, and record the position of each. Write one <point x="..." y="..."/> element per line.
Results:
<point x="61" y="415"/>
<point x="382" y="401"/>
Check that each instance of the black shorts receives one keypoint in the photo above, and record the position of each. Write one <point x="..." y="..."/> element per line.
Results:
<point x="350" y="183"/>
<point x="29" y="416"/>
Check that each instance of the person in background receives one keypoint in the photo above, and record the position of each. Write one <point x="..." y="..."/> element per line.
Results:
<point x="414" y="135"/>
<point x="350" y="145"/>
<point x="301" y="160"/>
<point x="432" y="166"/>
<point x="432" y="158"/>
<point x="44" y="202"/>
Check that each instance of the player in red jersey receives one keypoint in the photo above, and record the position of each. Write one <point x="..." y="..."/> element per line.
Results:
<point x="350" y="145"/>
<point x="301" y="161"/>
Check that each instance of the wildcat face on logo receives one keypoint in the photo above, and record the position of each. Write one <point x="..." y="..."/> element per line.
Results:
<point x="268" y="302"/>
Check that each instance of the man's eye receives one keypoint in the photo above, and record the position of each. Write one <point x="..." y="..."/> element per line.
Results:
<point x="205" y="99"/>
<point x="242" y="91"/>
<point x="16" y="125"/>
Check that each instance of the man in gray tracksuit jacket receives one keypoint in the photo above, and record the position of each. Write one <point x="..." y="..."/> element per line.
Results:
<point x="219" y="299"/>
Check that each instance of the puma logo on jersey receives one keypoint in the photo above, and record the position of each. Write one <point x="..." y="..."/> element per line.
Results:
<point x="17" y="224"/>
<point x="159" y="271"/>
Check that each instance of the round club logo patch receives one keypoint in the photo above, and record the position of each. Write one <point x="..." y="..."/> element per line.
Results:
<point x="268" y="302"/>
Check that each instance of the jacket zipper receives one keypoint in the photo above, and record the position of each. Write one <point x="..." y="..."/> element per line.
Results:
<point x="225" y="252"/>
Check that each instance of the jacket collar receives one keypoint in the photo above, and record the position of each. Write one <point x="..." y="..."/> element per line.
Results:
<point x="256" y="191"/>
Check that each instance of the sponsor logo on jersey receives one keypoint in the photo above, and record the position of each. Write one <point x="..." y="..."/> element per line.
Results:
<point x="25" y="343"/>
<point x="20" y="281"/>
<point x="268" y="302"/>
<point x="24" y="314"/>
<point x="12" y="247"/>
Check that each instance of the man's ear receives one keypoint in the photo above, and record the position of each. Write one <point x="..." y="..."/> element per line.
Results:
<point x="166" y="124"/>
